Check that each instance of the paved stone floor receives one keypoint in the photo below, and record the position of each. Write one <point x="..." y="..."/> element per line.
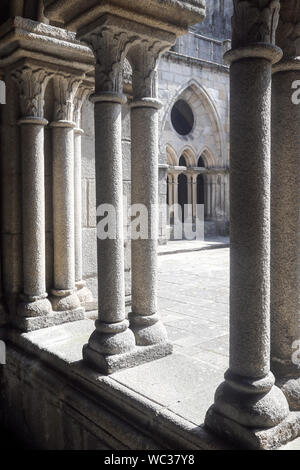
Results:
<point x="183" y="246"/>
<point x="194" y="305"/>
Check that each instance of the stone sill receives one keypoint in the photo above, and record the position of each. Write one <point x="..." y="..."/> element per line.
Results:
<point x="56" y="353"/>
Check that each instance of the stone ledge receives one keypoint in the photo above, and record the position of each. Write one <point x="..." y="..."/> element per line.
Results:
<point x="140" y="355"/>
<point x="114" y="413"/>
<point x="46" y="321"/>
<point x="84" y="402"/>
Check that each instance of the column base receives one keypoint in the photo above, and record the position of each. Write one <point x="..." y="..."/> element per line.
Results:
<point x="287" y="375"/>
<point x="148" y="330"/>
<point x="252" y="438"/>
<point x="291" y="389"/>
<point x="65" y="300"/>
<point x="139" y="355"/>
<point x="52" y="319"/>
<point x="34" y="307"/>
<point x="251" y="403"/>
<point x="85" y="296"/>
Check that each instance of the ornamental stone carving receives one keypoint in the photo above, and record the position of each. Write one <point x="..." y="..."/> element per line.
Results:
<point x="144" y="58"/>
<point x="32" y="84"/>
<point x="110" y="45"/>
<point x="80" y="97"/>
<point x="288" y="32"/>
<point x="65" y="89"/>
<point x="254" y="22"/>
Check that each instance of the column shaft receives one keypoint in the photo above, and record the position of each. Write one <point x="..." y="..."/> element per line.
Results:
<point x="248" y="396"/>
<point x="208" y="189"/>
<point x="112" y="337"/>
<point x="250" y="217"/>
<point x="144" y="172"/>
<point x="64" y="296"/>
<point x="32" y="135"/>
<point x="77" y="205"/>
<point x="194" y="193"/>
<point x="111" y="293"/>
<point x="285" y="236"/>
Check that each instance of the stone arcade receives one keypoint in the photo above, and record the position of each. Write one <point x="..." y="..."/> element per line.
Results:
<point x="61" y="58"/>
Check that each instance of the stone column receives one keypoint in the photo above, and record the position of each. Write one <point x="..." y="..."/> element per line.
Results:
<point x="285" y="211"/>
<point x="189" y="188"/>
<point x="144" y="318"/>
<point x="170" y="189"/>
<point x="84" y="294"/>
<point x="194" y="195"/>
<point x="208" y="192"/>
<point x="32" y="83"/>
<point x="171" y="198"/>
<point x="175" y="196"/>
<point x="213" y="195"/>
<point x="248" y="400"/>
<point x="64" y="296"/>
<point x="111" y="344"/>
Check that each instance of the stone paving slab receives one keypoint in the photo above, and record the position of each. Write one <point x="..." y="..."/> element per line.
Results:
<point x="197" y="323"/>
<point x="185" y="246"/>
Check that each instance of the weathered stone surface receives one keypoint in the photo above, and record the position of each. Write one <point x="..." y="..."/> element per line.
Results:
<point x="255" y="439"/>
<point x="285" y="219"/>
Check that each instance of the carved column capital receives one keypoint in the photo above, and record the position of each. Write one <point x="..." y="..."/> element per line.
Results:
<point x="83" y="92"/>
<point x="254" y="25"/>
<point x="31" y="82"/>
<point x="110" y="45"/>
<point x="254" y="22"/>
<point x="65" y="89"/>
<point x="288" y="38"/>
<point x="144" y="57"/>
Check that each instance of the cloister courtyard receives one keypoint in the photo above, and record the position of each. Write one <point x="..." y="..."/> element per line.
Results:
<point x="123" y="121"/>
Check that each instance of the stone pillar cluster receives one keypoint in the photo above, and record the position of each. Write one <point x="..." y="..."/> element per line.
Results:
<point x="37" y="308"/>
<point x="118" y="342"/>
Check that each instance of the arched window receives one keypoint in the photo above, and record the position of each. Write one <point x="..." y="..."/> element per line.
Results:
<point x="182" y="161"/>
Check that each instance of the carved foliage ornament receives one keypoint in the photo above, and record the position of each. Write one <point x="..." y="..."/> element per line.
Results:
<point x="254" y="21"/>
<point x="110" y="46"/>
<point x="288" y="38"/>
<point x="144" y="59"/>
<point x="65" y="88"/>
<point x="32" y="84"/>
<point x="82" y="93"/>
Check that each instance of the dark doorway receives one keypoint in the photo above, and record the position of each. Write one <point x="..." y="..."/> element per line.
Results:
<point x="182" y="192"/>
<point x="200" y="189"/>
<point x="168" y="196"/>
